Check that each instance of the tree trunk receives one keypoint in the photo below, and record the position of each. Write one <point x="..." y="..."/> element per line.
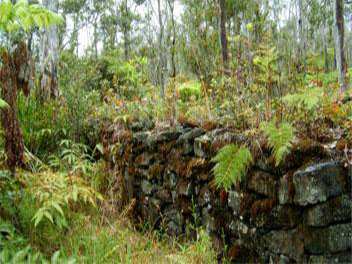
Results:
<point x="302" y="39"/>
<point x="173" y="62"/>
<point x="339" y="43"/>
<point x="223" y="40"/>
<point x="325" y="38"/>
<point x="126" y="34"/>
<point x="161" y="55"/>
<point x="49" y="45"/>
<point x="15" y="73"/>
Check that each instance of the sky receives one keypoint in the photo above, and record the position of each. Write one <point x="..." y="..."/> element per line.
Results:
<point x="86" y="34"/>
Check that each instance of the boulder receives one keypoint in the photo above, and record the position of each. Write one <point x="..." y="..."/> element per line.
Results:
<point x="202" y="146"/>
<point x="335" y="210"/>
<point x="289" y="243"/>
<point x="263" y="183"/>
<point x="331" y="239"/>
<point x="318" y="183"/>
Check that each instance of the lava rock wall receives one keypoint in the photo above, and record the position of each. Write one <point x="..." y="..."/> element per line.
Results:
<point x="299" y="211"/>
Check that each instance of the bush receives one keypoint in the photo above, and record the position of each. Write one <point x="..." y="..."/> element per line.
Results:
<point x="189" y="89"/>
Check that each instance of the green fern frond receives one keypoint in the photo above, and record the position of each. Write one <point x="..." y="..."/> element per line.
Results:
<point x="279" y="139"/>
<point x="310" y="98"/>
<point x="231" y="164"/>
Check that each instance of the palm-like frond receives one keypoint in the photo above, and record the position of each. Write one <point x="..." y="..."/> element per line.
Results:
<point x="231" y="164"/>
<point x="279" y="139"/>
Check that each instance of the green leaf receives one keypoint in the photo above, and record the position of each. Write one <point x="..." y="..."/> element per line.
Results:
<point x="38" y="217"/>
<point x="231" y="164"/>
<point x="57" y="207"/>
<point x="20" y="255"/>
<point x="55" y="257"/>
<point x="49" y="216"/>
<point x="3" y="104"/>
<point x="279" y="139"/>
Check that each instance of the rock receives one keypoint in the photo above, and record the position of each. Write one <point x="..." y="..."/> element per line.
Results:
<point x="173" y="221"/>
<point x="147" y="187"/>
<point x="332" y="211"/>
<point x="202" y="146"/>
<point x="223" y="139"/>
<point x="185" y="188"/>
<point x="162" y="136"/>
<point x="301" y="153"/>
<point x="286" y="189"/>
<point x="238" y="228"/>
<point x="151" y="210"/>
<point x="280" y="217"/>
<point x="338" y="258"/>
<point x="140" y="137"/>
<point x="186" y="140"/>
<point x="331" y="239"/>
<point x="184" y="206"/>
<point x="208" y="221"/>
<point x="289" y="243"/>
<point x="173" y="229"/>
<point x="156" y="171"/>
<point x="263" y="183"/>
<point x="204" y="196"/>
<point x="145" y="159"/>
<point x="234" y="201"/>
<point x="146" y="124"/>
<point x="318" y="183"/>
<point x="164" y="195"/>
<point x="170" y="178"/>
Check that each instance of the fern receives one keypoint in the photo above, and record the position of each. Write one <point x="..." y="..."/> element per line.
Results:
<point x="231" y="164"/>
<point x="279" y="139"/>
<point x="55" y="192"/>
<point x="309" y="99"/>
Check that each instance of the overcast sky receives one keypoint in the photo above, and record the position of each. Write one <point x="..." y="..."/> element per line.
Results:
<point x="86" y="33"/>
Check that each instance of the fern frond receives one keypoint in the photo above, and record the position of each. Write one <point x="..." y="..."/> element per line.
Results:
<point x="279" y="139"/>
<point x="231" y="164"/>
<point x="310" y="98"/>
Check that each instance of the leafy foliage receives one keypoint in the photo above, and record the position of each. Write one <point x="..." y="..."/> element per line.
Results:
<point x="189" y="89"/>
<point x="24" y="16"/>
<point x="309" y="99"/>
<point x="231" y="164"/>
<point x="15" y="249"/>
<point x="55" y="192"/>
<point x="279" y="139"/>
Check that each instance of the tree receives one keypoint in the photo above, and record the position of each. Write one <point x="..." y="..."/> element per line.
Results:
<point x="49" y="56"/>
<point x="223" y="40"/>
<point x="161" y="51"/>
<point x="301" y="29"/>
<point x="15" y="73"/>
<point x="339" y="43"/>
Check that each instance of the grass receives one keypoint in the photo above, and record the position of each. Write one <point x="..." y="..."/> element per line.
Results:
<point x="101" y="235"/>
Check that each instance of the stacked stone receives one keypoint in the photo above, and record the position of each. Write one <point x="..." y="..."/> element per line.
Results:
<point x="298" y="212"/>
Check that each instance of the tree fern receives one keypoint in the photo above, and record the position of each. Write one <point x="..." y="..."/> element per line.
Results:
<point x="279" y="139"/>
<point x="231" y="164"/>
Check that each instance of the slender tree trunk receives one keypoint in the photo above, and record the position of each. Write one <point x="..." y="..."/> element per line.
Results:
<point x="126" y="34"/>
<point x="325" y="39"/>
<point x="95" y="38"/>
<point x="49" y="45"/>
<point x="302" y="38"/>
<point x="161" y="55"/>
<point x="223" y="40"/>
<point x="339" y="43"/>
<point x="173" y="62"/>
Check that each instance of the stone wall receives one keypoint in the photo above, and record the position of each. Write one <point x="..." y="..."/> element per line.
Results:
<point x="299" y="211"/>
